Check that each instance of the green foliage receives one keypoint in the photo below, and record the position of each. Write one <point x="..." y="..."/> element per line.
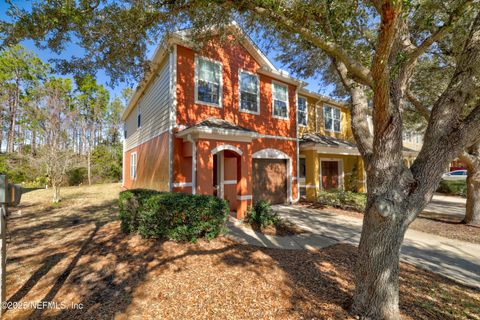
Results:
<point x="262" y="215"/>
<point x="77" y="176"/>
<point x="174" y="216"/>
<point x="107" y="163"/>
<point x="343" y="199"/>
<point x="454" y="187"/>
<point x="20" y="170"/>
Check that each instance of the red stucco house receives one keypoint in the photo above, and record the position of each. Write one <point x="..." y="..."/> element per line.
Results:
<point x="218" y="120"/>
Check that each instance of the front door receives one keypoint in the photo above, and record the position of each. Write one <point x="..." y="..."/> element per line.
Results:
<point x="270" y="180"/>
<point x="330" y="175"/>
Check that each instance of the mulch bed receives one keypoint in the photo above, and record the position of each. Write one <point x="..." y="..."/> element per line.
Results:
<point x="447" y="226"/>
<point x="77" y="254"/>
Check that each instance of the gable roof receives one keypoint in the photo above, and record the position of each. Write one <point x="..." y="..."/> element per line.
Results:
<point x="182" y="37"/>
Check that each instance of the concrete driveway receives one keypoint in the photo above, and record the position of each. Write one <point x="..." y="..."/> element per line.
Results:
<point x="454" y="259"/>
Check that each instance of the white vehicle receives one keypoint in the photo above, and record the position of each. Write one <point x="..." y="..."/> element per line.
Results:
<point x="455" y="175"/>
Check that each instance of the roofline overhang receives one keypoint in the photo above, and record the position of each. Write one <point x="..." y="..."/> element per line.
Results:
<point x="342" y="150"/>
<point x="305" y="92"/>
<point x="324" y="149"/>
<point x="158" y="57"/>
<point x="281" y="76"/>
<point x="203" y="132"/>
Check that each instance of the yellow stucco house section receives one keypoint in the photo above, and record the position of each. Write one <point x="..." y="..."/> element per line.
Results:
<point x="329" y="158"/>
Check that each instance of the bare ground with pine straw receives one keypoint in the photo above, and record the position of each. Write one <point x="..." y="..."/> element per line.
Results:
<point x="75" y="253"/>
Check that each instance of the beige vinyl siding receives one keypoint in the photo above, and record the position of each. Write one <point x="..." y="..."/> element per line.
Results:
<point x="155" y="111"/>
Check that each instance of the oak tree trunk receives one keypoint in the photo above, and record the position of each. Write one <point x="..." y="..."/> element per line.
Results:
<point x="472" y="214"/>
<point x="377" y="271"/>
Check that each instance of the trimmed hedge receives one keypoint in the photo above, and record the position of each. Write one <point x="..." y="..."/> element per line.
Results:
<point x="456" y="187"/>
<point x="346" y="200"/>
<point x="174" y="216"/>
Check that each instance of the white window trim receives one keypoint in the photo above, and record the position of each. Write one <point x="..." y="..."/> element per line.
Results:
<point x="134" y="176"/>
<point x="273" y="102"/>
<point x="306" y="111"/>
<point x="220" y="98"/>
<point x="333" y="126"/>
<point x="240" y="92"/>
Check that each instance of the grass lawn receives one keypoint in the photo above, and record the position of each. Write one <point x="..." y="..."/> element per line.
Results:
<point x="74" y="252"/>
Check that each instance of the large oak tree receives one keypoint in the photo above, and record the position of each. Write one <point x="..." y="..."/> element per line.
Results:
<point x="372" y="47"/>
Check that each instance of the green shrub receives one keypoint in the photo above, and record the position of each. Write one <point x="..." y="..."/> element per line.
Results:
<point x="175" y="216"/>
<point x="262" y="215"/>
<point x="456" y="187"/>
<point x="107" y="163"/>
<point x="77" y="176"/>
<point x="343" y="199"/>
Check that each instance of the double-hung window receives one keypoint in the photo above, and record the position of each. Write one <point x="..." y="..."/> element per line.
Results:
<point x="208" y="76"/>
<point x="133" y="165"/>
<point x="302" y="113"/>
<point x="249" y="92"/>
<point x="332" y="118"/>
<point x="280" y="100"/>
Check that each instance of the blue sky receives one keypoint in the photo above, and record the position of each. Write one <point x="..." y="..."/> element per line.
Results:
<point x="74" y="50"/>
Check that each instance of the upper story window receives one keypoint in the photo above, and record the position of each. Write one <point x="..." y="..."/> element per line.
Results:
<point x="133" y="165"/>
<point x="280" y="100"/>
<point x="302" y="112"/>
<point x="249" y="92"/>
<point x="332" y="118"/>
<point x="208" y="84"/>
<point x="139" y="117"/>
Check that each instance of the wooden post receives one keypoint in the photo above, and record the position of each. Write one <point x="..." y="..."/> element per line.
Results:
<point x="3" y="244"/>
<point x="3" y="256"/>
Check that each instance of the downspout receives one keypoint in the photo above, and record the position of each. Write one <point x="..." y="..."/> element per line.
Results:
<point x="297" y="142"/>
<point x="123" y="162"/>
<point x="173" y="110"/>
<point x="194" y="163"/>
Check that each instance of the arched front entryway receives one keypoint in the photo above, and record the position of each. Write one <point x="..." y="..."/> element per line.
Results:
<point x="272" y="176"/>
<point x="226" y="173"/>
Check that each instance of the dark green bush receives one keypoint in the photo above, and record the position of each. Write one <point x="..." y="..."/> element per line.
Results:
<point x="107" y="163"/>
<point x="343" y="199"/>
<point x="456" y="187"/>
<point x="262" y="215"/>
<point x="175" y="216"/>
<point x="77" y="176"/>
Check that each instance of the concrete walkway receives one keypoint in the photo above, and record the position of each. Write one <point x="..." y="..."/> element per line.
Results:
<point x="454" y="259"/>
<point x="446" y="206"/>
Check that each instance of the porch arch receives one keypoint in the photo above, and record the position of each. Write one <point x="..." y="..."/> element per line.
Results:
<point x="227" y="147"/>
<point x="270" y="153"/>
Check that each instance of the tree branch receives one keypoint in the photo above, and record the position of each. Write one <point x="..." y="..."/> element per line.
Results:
<point x="471" y="126"/>
<point x="418" y="105"/>
<point x="361" y="73"/>
<point x="359" y="106"/>
<point x="439" y="33"/>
